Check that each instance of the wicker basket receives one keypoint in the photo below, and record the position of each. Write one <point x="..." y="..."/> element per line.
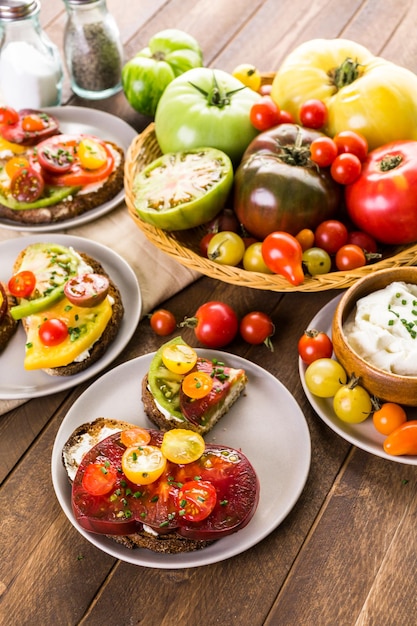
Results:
<point x="184" y="245"/>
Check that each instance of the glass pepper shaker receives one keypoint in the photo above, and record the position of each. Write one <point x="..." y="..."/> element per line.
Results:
<point x="30" y="65"/>
<point x="93" y="50"/>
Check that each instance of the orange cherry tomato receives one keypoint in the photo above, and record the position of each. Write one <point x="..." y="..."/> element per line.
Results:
<point x="306" y="238"/>
<point x="135" y="437"/>
<point x="197" y="385"/>
<point x="402" y="440"/>
<point x="99" y="478"/>
<point x="15" y="164"/>
<point x="388" y="417"/>
<point x="32" y="123"/>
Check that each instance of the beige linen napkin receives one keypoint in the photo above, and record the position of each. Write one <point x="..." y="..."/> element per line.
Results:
<point x="158" y="275"/>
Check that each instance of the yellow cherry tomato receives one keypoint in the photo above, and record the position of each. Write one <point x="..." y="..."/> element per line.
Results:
<point x="197" y="385"/>
<point x="179" y="358"/>
<point x="15" y="164"/>
<point x="182" y="446"/>
<point x="143" y="465"/>
<point x="248" y="75"/>
<point x="92" y="154"/>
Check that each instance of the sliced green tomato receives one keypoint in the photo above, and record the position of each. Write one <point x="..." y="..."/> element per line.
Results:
<point x="51" y="196"/>
<point x="181" y="445"/>
<point x="185" y="189"/>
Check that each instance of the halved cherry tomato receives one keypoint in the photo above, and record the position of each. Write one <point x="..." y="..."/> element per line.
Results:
<point x="143" y="465"/>
<point x="26" y="185"/>
<point x="264" y="114"/>
<point x="33" y="123"/>
<point x="313" y="113"/>
<point x="182" y="446"/>
<point x="197" y="384"/>
<point x="163" y="322"/>
<point x="92" y="154"/>
<point x="99" y="478"/>
<point x="55" y="158"/>
<point x="135" y="437"/>
<point x="87" y="290"/>
<point x="402" y="440"/>
<point x="52" y="332"/>
<point x="283" y="255"/>
<point x="22" y="284"/>
<point x="313" y="345"/>
<point x="8" y="115"/>
<point x="388" y="417"/>
<point x="179" y="358"/>
<point x="196" y="500"/>
<point x="15" y="164"/>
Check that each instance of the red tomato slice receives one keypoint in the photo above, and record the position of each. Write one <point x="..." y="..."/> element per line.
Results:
<point x="26" y="185"/>
<point x="196" y="500"/>
<point x="99" y="478"/>
<point x="8" y="115"/>
<point x="87" y="290"/>
<point x="22" y="284"/>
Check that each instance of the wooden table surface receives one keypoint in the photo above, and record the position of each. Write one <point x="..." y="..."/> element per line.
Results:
<point x="345" y="554"/>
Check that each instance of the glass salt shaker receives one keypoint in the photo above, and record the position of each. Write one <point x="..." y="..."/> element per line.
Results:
<point x="30" y="65"/>
<point x="93" y="50"/>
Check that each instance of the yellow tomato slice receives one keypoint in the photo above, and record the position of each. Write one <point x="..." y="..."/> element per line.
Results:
<point x="92" y="154"/>
<point x="179" y="358"/>
<point x="143" y="464"/>
<point x="182" y="446"/>
<point x="15" y="164"/>
<point x="197" y="385"/>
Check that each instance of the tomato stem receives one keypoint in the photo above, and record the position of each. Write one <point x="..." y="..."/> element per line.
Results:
<point x="296" y="154"/>
<point x="345" y="74"/>
<point x="217" y="96"/>
<point x="390" y="162"/>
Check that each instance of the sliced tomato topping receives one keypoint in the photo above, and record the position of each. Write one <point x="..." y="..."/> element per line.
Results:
<point x="55" y="158"/>
<point x="29" y="128"/>
<point x="135" y="437"/>
<point x="15" y="164"/>
<point x="26" y="185"/>
<point x="8" y="115"/>
<point x="99" y="478"/>
<point x="52" y="332"/>
<point x="22" y="284"/>
<point x="196" y="500"/>
<point x="179" y="358"/>
<point x="143" y="464"/>
<point x="197" y="384"/>
<point x="87" y="290"/>
<point x="33" y="123"/>
<point x="181" y="445"/>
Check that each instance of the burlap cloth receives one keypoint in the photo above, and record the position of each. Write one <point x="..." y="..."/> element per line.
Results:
<point x="159" y="276"/>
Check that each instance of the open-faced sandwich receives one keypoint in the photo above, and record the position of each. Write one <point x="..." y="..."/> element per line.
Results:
<point x="169" y="492"/>
<point x="8" y="324"/>
<point x="184" y="390"/>
<point x="47" y="176"/>
<point x="70" y="308"/>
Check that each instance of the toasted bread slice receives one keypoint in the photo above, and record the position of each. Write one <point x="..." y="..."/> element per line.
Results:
<point x="8" y="325"/>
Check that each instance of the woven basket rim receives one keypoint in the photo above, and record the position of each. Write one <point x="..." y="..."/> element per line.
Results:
<point x="144" y="149"/>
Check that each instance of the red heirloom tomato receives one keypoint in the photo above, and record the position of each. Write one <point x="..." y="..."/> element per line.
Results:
<point x="279" y="188"/>
<point x="283" y="255"/>
<point x="382" y="201"/>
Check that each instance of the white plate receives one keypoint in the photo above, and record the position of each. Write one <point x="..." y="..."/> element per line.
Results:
<point x="266" y="423"/>
<point x="362" y="435"/>
<point x="83" y="120"/>
<point x="15" y="381"/>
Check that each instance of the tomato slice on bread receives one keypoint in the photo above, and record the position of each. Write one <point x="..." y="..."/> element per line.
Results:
<point x="27" y="126"/>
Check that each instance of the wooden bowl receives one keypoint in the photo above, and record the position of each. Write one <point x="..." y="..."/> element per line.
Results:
<point x="384" y="385"/>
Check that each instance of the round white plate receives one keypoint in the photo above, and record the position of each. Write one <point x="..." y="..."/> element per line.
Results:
<point x="362" y="435"/>
<point x="15" y="381"/>
<point x="83" y="120"/>
<point x="266" y="423"/>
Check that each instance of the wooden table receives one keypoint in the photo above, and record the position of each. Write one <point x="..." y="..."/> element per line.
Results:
<point x="345" y="554"/>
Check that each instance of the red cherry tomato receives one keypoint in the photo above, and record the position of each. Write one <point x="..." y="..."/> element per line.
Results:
<point x="196" y="500"/>
<point x="388" y="417"/>
<point x="99" y="478"/>
<point x="313" y="113"/>
<point x="22" y="284"/>
<point x="215" y="324"/>
<point x="8" y="116"/>
<point x="363" y="240"/>
<point x="26" y="185"/>
<point x="350" y="257"/>
<point x="204" y="244"/>
<point x="283" y="255"/>
<point x="33" y="123"/>
<point x="87" y="290"/>
<point x="346" y="168"/>
<point x="256" y="328"/>
<point x="52" y="332"/>
<point x="313" y="345"/>
<point x="331" y="235"/>
<point x="264" y="114"/>
<point x="353" y="142"/>
<point x="163" y="322"/>
<point x="285" y="117"/>
<point x="323" y="151"/>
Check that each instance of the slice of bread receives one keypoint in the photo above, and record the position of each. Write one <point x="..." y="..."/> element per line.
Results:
<point x="8" y="325"/>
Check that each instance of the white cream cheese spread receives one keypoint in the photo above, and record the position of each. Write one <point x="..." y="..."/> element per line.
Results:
<point x="383" y="329"/>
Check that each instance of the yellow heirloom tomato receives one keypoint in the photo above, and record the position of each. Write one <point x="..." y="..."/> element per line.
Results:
<point x="362" y="92"/>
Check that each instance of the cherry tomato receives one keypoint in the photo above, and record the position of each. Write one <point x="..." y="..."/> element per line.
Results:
<point x="33" y="123"/>
<point x="346" y="168"/>
<point x="226" y="248"/>
<point x="204" y="242"/>
<point x="99" y="478"/>
<point x="402" y="440"/>
<point x="15" y="164"/>
<point x="253" y="260"/>
<point x="179" y="358"/>
<point x="256" y="328"/>
<point x="285" y="117"/>
<point x="26" y="185"/>
<point x="249" y="75"/>
<point x="363" y="240"/>
<point x="283" y="255"/>
<point x="22" y="284"/>
<point x="324" y="377"/>
<point x="163" y="322"/>
<point x="323" y="151"/>
<point x="316" y="261"/>
<point x="8" y="116"/>
<point x="313" y="113"/>
<point x="197" y="385"/>
<point x="313" y="345"/>
<point x="181" y="445"/>
<point x="353" y="142"/>
<point x="264" y="114"/>
<point x="143" y="464"/>
<point x="350" y="257"/>
<point x="92" y="154"/>
<point x="388" y="417"/>
<point x="52" y="332"/>
<point x="225" y="220"/>
<point x="87" y="290"/>
<point x="135" y="437"/>
<point x="215" y="324"/>
<point x="306" y="238"/>
<point x="352" y="403"/>
<point x="196" y="500"/>
<point x="331" y="235"/>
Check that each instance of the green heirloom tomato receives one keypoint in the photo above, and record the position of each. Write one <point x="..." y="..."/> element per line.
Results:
<point x="144" y="78"/>
<point x="182" y="190"/>
<point x="206" y="107"/>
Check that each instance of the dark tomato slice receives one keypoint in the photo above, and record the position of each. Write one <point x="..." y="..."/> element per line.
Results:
<point x="55" y="158"/>
<point x="196" y="500"/>
<point x="52" y="332"/>
<point x="87" y="290"/>
<point x="8" y="115"/>
<point x="99" y="478"/>
<point x="30" y="127"/>
<point x="22" y="284"/>
<point x="26" y="185"/>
